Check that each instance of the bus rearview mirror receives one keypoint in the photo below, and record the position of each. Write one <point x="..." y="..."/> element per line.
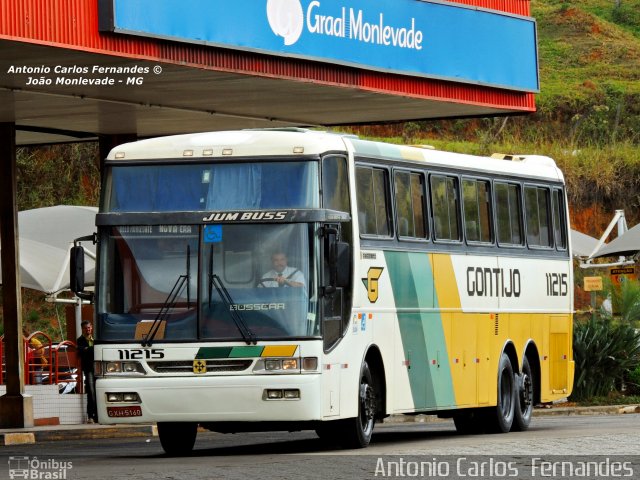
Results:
<point x="76" y="270"/>
<point x="343" y="264"/>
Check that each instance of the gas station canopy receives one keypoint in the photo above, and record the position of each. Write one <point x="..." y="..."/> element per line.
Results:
<point x="76" y="69"/>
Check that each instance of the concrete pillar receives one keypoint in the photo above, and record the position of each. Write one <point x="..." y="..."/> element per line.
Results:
<point x="16" y="408"/>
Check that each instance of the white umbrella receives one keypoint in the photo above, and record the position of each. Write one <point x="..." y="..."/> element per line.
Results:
<point x="627" y="244"/>
<point x="45" y="237"/>
<point x="582" y="245"/>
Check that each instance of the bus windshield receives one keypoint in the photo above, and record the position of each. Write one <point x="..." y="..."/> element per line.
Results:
<point x="221" y="186"/>
<point x="212" y="282"/>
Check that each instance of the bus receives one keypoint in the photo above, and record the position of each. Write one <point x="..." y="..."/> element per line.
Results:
<point x="291" y="279"/>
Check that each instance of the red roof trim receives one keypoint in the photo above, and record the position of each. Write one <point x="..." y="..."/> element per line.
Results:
<point x="73" y="24"/>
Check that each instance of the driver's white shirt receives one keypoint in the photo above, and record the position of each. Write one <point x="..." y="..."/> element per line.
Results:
<point x="286" y="273"/>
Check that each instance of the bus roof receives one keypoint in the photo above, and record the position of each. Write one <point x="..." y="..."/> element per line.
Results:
<point x="298" y="141"/>
<point x="239" y="143"/>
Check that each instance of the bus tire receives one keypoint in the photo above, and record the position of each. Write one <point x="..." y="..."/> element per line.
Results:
<point x="470" y="421"/>
<point x="524" y="398"/>
<point x="356" y="432"/>
<point x="177" y="438"/>
<point x="501" y="416"/>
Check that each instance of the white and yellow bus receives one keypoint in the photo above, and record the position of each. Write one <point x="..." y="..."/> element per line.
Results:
<point x="291" y="279"/>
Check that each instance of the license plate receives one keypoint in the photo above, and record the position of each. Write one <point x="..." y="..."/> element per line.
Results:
<point x="124" y="411"/>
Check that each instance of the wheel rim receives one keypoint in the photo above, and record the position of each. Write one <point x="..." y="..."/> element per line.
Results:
<point x="505" y="393"/>
<point x="367" y="407"/>
<point x="526" y="394"/>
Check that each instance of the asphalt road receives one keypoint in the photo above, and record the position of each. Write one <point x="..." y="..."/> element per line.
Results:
<point x="412" y="450"/>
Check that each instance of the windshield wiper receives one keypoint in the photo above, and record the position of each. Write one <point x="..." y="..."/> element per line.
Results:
<point x="170" y="303"/>
<point x="247" y="335"/>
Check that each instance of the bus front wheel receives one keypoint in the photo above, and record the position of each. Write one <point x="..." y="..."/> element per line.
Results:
<point x="177" y="438"/>
<point x="356" y="432"/>
<point x="501" y="416"/>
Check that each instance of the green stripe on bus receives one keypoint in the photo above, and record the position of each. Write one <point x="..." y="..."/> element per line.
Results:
<point x="229" y="352"/>
<point x="213" y="352"/>
<point x="422" y="335"/>
<point x="246" y="352"/>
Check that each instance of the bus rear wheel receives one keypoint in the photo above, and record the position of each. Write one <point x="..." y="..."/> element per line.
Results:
<point x="523" y="398"/>
<point x="177" y="438"/>
<point x="356" y="432"/>
<point x="501" y="416"/>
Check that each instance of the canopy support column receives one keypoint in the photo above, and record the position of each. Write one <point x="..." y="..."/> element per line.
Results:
<point x="16" y="408"/>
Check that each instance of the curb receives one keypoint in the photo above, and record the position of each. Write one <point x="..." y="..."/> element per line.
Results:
<point x="537" y="412"/>
<point x="31" y="436"/>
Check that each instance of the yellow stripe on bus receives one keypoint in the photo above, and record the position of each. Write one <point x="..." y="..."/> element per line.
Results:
<point x="279" y="350"/>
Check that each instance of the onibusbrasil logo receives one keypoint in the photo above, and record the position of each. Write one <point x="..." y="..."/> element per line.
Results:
<point x="286" y="19"/>
<point x="38" y="469"/>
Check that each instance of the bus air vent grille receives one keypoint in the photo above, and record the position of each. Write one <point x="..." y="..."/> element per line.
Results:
<point x="496" y="324"/>
<point x="226" y="365"/>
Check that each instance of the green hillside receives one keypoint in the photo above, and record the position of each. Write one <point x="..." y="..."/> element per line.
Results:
<point x="589" y="54"/>
<point x="589" y="107"/>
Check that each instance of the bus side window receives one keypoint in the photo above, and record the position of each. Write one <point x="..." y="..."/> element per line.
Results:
<point x="559" y="223"/>
<point x="409" y="197"/>
<point x="477" y="210"/>
<point x="509" y="214"/>
<point x="373" y="204"/>
<point x="537" y="211"/>
<point x="446" y="209"/>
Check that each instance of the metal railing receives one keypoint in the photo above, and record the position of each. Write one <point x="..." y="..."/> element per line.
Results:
<point x="44" y="362"/>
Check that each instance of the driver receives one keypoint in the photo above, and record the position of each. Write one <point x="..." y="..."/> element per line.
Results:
<point x="282" y="275"/>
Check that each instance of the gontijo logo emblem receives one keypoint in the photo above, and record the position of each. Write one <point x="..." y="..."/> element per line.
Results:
<point x="371" y="283"/>
<point x="286" y="19"/>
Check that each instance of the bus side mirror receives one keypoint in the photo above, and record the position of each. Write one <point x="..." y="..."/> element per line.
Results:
<point x="343" y="264"/>
<point x="76" y="272"/>
<point x="338" y="261"/>
<point x="76" y="268"/>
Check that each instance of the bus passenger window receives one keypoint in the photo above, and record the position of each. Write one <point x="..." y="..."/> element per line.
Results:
<point x="371" y="194"/>
<point x="559" y="225"/>
<point x="477" y="210"/>
<point x="537" y="212"/>
<point x="446" y="214"/>
<point x="509" y="214"/>
<point x="410" y="204"/>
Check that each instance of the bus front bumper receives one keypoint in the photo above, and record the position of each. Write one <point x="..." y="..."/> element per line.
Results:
<point x="211" y="399"/>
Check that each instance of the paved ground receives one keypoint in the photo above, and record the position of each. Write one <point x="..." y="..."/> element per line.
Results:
<point x="604" y="441"/>
<point x="16" y="436"/>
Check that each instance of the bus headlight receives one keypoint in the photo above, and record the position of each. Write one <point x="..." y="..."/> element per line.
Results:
<point x="277" y="365"/>
<point x="290" y="364"/>
<point x="126" y="397"/>
<point x="286" y="365"/>
<point x="278" y="394"/>
<point x="122" y="368"/>
<point x="114" y="397"/>
<point x="272" y="365"/>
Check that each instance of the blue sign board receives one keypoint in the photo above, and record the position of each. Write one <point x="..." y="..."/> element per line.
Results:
<point x="212" y="233"/>
<point x="410" y="37"/>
